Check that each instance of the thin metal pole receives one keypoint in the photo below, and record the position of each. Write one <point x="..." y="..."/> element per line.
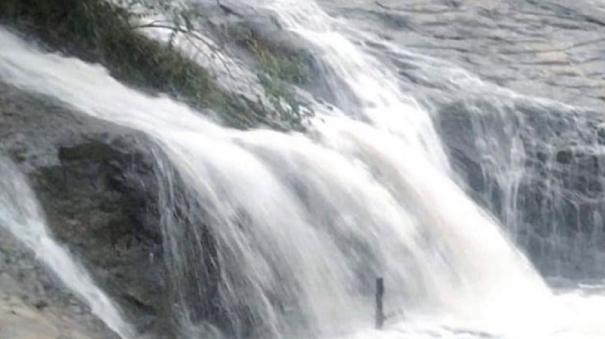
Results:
<point x="379" y="307"/>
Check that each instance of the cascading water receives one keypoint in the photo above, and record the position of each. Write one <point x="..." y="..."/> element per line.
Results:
<point x="21" y="215"/>
<point x="271" y="234"/>
<point x="546" y="182"/>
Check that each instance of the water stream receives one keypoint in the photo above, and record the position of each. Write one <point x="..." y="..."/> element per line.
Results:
<point x="299" y="225"/>
<point x="21" y="215"/>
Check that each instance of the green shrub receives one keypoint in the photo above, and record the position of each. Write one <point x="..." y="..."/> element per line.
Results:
<point x="97" y="31"/>
<point x="288" y="68"/>
<point x="278" y="72"/>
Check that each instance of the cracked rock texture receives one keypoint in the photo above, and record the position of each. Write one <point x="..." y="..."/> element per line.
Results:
<point x="548" y="48"/>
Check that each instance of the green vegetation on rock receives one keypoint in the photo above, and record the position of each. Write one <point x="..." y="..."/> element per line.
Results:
<point x="289" y="68"/>
<point x="280" y="70"/>
<point x="97" y="31"/>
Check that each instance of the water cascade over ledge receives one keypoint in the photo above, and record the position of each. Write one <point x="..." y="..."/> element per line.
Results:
<point x="287" y="231"/>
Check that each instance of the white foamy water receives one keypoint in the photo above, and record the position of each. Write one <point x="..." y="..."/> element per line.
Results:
<point x="303" y="223"/>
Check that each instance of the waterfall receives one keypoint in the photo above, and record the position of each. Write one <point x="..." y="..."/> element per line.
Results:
<point x="283" y="234"/>
<point x="21" y="215"/>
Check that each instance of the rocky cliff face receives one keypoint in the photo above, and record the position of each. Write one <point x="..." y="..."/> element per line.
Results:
<point x="100" y="187"/>
<point x="34" y="305"/>
<point x="551" y="49"/>
<point x="95" y="181"/>
<point x="534" y="155"/>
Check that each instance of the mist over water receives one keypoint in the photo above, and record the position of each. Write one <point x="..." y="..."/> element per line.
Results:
<point x="298" y="226"/>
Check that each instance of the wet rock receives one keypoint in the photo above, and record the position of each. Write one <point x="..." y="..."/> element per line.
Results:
<point x="550" y="48"/>
<point x="564" y="157"/>
<point x="537" y="164"/>
<point x="601" y="135"/>
<point x="538" y="167"/>
<point x="96" y="183"/>
<point x="33" y="303"/>
<point x="100" y="186"/>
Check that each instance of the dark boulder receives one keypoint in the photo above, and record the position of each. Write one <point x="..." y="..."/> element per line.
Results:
<point x="97" y="186"/>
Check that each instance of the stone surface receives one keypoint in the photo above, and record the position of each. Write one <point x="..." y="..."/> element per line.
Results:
<point x="548" y="48"/>
<point x="99" y="186"/>
<point x="33" y="303"/>
<point x="92" y="179"/>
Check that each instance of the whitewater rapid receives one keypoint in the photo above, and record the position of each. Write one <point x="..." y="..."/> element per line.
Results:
<point x="311" y="219"/>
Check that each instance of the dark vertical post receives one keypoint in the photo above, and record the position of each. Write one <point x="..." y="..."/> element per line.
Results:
<point x="379" y="309"/>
